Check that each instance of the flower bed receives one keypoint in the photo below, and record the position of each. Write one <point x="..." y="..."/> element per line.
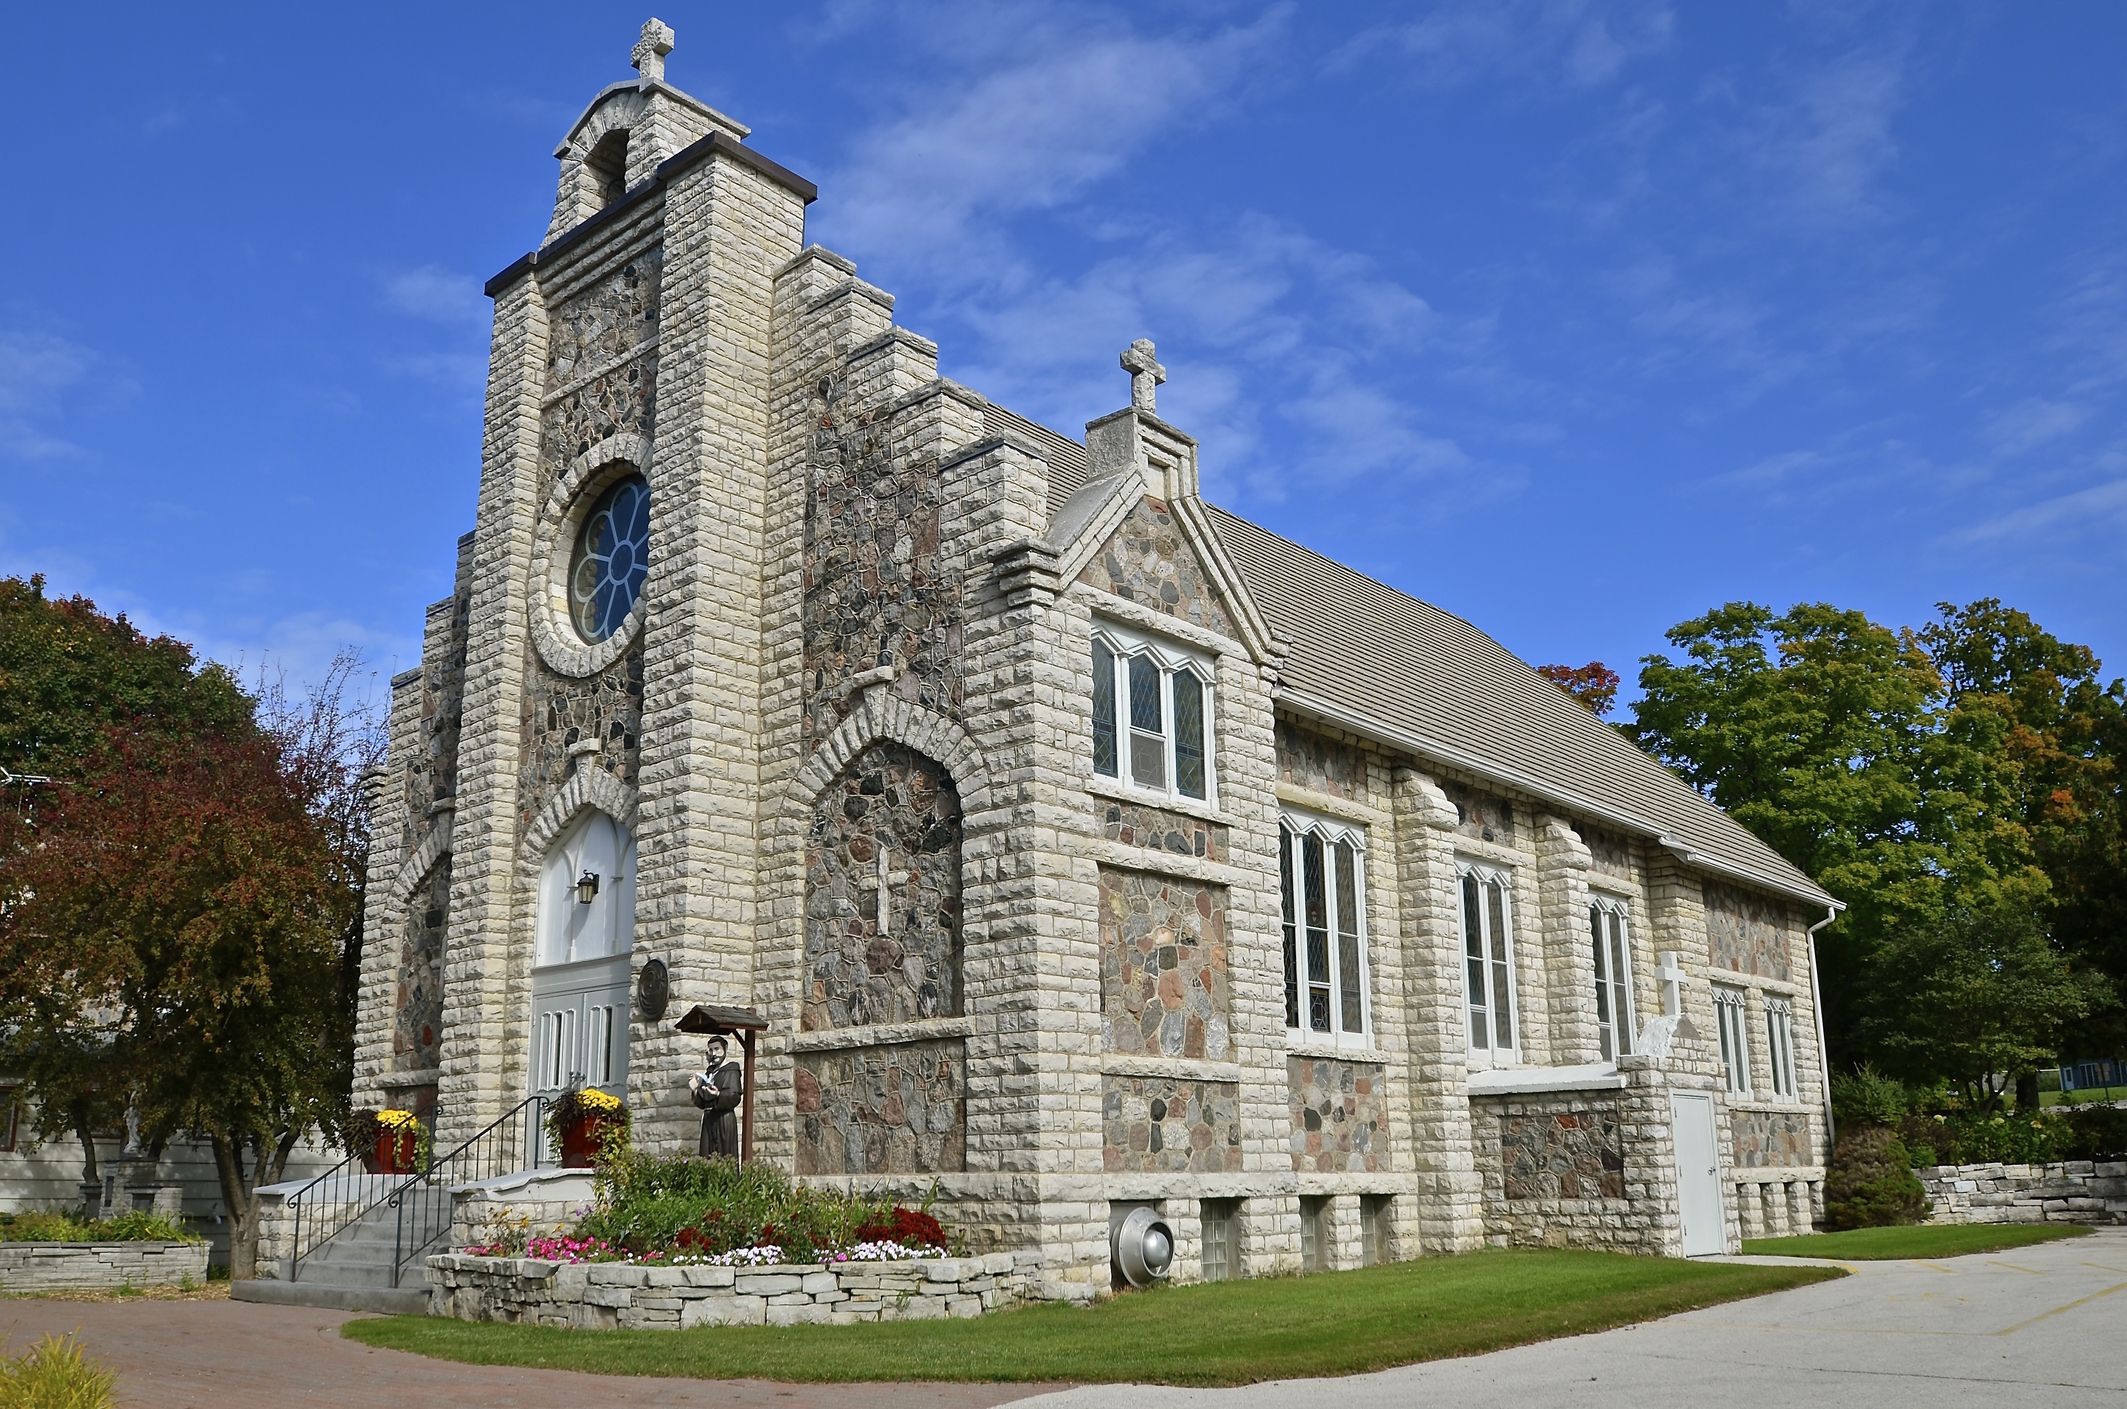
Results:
<point x="605" y="1296"/>
<point x="55" y="1226"/>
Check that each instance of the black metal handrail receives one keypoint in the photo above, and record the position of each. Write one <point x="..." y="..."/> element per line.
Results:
<point x="328" y="1203"/>
<point x="423" y="1200"/>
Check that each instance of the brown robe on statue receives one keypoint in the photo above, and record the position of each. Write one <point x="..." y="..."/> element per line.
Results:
<point x="719" y="1099"/>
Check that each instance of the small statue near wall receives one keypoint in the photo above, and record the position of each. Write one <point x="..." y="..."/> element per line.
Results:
<point x="719" y="1091"/>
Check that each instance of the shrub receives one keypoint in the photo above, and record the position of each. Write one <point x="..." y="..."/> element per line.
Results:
<point x="55" y="1374"/>
<point x="54" y="1226"/>
<point x="1872" y="1184"/>
<point x="1865" y="1098"/>
<point x="659" y="1204"/>
<point x="2097" y="1132"/>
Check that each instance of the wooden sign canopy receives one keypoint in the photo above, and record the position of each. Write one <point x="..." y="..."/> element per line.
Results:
<point x="728" y="1022"/>
<point x="721" y="1022"/>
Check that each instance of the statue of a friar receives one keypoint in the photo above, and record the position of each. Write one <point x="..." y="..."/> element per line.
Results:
<point x="718" y="1091"/>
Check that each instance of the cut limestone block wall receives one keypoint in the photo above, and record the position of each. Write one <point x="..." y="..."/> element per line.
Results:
<point x="64" y="1267"/>
<point x="609" y="1295"/>
<point x="2075" y="1191"/>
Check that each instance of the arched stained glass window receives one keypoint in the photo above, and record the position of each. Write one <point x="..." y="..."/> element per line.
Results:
<point x="612" y="555"/>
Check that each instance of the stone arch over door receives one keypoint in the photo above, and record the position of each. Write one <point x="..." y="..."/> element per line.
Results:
<point x="578" y="1029"/>
<point x="883" y="918"/>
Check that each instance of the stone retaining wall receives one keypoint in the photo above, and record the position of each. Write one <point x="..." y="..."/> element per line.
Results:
<point x="69" y="1267"/>
<point x="2077" y="1191"/>
<point x="606" y="1295"/>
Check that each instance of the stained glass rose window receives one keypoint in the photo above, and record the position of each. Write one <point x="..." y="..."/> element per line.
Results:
<point x="612" y="554"/>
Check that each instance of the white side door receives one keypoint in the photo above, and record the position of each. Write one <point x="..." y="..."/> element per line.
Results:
<point x="1698" y="1174"/>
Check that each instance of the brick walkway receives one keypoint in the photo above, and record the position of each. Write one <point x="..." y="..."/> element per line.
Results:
<point x="241" y="1355"/>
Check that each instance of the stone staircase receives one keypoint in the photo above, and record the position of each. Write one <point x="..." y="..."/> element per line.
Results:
<point x="352" y="1271"/>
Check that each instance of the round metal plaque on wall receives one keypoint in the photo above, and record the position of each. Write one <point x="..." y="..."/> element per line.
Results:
<point x="653" y="990"/>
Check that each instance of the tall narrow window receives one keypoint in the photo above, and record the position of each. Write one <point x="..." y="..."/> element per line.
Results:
<point x="1374" y="1230"/>
<point x="1104" y="761"/>
<point x="1322" y="880"/>
<point x="1735" y="1047"/>
<point x="1350" y="1005"/>
<point x="1780" y="1046"/>
<point x="1488" y="959"/>
<point x="1316" y="891"/>
<point x="1188" y="734"/>
<point x="1152" y="714"/>
<point x="1292" y="928"/>
<point x="1613" y="981"/>
<point x="1148" y="738"/>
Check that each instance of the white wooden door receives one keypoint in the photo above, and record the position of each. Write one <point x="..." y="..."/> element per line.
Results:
<point x="1698" y="1174"/>
<point x="580" y="1027"/>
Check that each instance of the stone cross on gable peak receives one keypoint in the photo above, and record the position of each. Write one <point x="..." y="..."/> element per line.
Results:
<point x="650" y="50"/>
<point x="1146" y="374"/>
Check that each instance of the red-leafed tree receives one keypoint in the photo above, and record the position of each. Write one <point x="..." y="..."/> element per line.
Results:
<point x="1594" y="684"/>
<point x="185" y="916"/>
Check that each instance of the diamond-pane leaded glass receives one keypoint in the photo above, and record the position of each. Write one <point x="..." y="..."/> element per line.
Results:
<point x="1292" y="929"/>
<point x="612" y="556"/>
<point x="1188" y="734"/>
<point x="1103" y="711"/>
<point x="1350" y="1008"/>
<point x="1317" y="933"/>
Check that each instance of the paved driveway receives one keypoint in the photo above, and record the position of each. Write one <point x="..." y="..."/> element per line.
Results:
<point x="2040" y="1326"/>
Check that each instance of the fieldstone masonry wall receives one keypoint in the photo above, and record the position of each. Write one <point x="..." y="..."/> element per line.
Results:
<point x="1148" y="562"/>
<point x="608" y="1295"/>
<point x="1163" y="978"/>
<point x="1339" y="1116"/>
<point x="883" y="1110"/>
<point x="2074" y="1191"/>
<point x="1746" y="935"/>
<point x="1165" y="1124"/>
<point x="27" y="1268"/>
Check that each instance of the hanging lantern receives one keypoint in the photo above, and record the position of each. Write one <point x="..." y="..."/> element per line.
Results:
<point x="587" y="886"/>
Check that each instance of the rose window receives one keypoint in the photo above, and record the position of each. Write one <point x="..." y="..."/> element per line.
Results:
<point x="612" y="554"/>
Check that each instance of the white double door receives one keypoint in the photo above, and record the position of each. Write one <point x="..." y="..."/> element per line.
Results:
<point x="580" y="1026"/>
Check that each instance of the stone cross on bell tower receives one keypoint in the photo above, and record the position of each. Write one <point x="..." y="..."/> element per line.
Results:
<point x="650" y="51"/>
<point x="1145" y="375"/>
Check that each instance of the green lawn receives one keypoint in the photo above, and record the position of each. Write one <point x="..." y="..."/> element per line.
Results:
<point x="2083" y="1097"/>
<point x="1225" y="1333"/>
<point x="1926" y="1240"/>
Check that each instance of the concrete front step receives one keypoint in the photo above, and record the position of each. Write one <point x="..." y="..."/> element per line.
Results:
<point x="391" y="1301"/>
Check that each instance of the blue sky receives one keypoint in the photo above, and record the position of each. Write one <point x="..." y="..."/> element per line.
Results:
<point x="1574" y="319"/>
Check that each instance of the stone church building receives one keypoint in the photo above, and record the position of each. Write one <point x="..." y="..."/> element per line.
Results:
<point x="1083" y="845"/>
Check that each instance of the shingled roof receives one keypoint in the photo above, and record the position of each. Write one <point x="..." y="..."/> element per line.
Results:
<point x="1388" y="665"/>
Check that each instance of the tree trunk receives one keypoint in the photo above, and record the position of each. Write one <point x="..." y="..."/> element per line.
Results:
<point x="2027" y="1091"/>
<point x="242" y="1204"/>
<point x="80" y="1111"/>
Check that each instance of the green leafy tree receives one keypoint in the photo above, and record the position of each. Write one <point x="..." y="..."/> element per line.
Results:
<point x="2053" y="733"/>
<point x="1979" y="992"/>
<point x="75" y="685"/>
<point x="1817" y="729"/>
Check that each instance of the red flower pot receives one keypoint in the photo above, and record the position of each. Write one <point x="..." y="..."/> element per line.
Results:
<point x="396" y="1151"/>
<point x="581" y="1139"/>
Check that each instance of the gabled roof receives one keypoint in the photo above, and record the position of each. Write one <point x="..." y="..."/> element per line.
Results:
<point x="1384" y="663"/>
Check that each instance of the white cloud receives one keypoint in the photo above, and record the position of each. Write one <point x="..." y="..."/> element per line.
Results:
<point x="1028" y="135"/>
<point x="2033" y="422"/>
<point x="2100" y="507"/>
<point x="1576" y="43"/>
<point x="37" y="371"/>
<point x="438" y="295"/>
<point x="1828" y="146"/>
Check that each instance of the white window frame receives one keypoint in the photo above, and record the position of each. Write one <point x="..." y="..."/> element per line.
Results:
<point x="1610" y="933"/>
<point x="1734" y="1029"/>
<point x="1497" y="950"/>
<point x="1295" y="829"/>
<point x="1170" y="660"/>
<point x="1780" y="1046"/>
